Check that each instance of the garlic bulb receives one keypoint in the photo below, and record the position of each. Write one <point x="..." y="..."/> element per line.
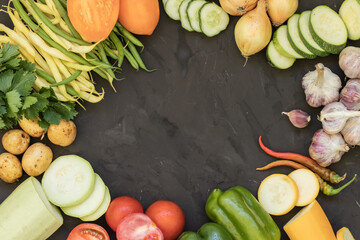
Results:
<point x="350" y="94"/>
<point x="351" y="131"/>
<point x="334" y="116"/>
<point x="298" y="118"/>
<point x="280" y="10"/>
<point x="321" y="86"/>
<point x="237" y="7"/>
<point x="326" y="149"/>
<point x="253" y="30"/>
<point x="349" y="61"/>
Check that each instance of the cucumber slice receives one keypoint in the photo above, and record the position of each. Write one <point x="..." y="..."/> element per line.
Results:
<point x="350" y="14"/>
<point x="101" y="210"/>
<point x="91" y="204"/>
<point x="276" y="59"/>
<point x="68" y="181"/>
<point x="294" y="38"/>
<point x="213" y="19"/>
<point x="193" y="14"/>
<point x="184" y="19"/>
<point x="172" y="8"/>
<point x="164" y="2"/>
<point x="306" y="37"/>
<point x="328" y="29"/>
<point x="282" y="44"/>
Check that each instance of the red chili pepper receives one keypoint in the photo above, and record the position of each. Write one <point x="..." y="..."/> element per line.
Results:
<point x="324" y="186"/>
<point x="325" y="173"/>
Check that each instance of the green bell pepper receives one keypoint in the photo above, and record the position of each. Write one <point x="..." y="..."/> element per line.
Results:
<point x="208" y="231"/>
<point x="241" y="214"/>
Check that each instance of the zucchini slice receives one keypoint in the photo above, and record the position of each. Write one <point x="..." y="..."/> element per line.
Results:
<point x="184" y="19"/>
<point x="306" y="37"/>
<point x="328" y="29"/>
<point x="172" y="8"/>
<point x="350" y="14"/>
<point x="101" y="210"/>
<point x="282" y="44"/>
<point x="213" y="19"/>
<point x="68" y="181"/>
<point x="276" y="59"/>
<point x="294" y="38"/>
<point x="193" y="14"/>
<point x="91" y="204"/>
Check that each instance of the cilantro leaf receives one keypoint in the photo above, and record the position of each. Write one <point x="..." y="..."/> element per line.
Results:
<point x="29" y="100"/>
<point x="14" y="101"/>
<point x="2" y="124"/>
<point x="23" y="82"/>
<point x="8" y="52"/>
<point x="52" y="116"/>
<point x="6" y="80"/>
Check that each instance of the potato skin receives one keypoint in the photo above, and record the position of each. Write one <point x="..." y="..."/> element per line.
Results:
<point x="63" y="134"/>
<point x="36" y="159"/>
<point x="16" y="141"/>
<point x="31" y="127"/>
<point x="10" y="168"/>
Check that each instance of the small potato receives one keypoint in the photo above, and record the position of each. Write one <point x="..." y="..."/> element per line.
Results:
<point x="16" y="141"/>
<point x="10" y="168"/>
<point x="32" y="127"/>
<point x="36" y="159"/>
<point x="63" y="134"/>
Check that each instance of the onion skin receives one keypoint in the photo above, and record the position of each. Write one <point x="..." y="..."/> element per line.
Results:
<point x="253" y="30"/>
<point x="280" y="10"/>
<point x="238" y="7"/>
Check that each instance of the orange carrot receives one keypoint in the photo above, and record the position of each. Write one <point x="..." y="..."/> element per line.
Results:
<point x="139" y="16"/>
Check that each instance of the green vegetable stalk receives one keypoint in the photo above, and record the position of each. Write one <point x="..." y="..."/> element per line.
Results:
<point x="241" y="214"/>
<point x="208" y="231"/>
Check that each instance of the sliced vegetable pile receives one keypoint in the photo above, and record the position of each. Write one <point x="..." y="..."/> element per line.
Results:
<point x="318" y="32"/>
<point x="199" y="15"/>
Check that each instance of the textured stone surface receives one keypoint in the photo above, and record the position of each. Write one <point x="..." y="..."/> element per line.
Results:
<point x="192" y="125"/>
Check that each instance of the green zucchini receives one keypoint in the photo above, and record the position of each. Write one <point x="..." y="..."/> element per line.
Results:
<point x="294" y="37"/>
<point x="276" y="59"/>
<point x="350" y="14"/>
<point x="282" y="44"/>
<point x="306" y="37"/>
<point x="27" y="214"/>
<point x="328" y="29"/>
<point x="101" y="209"/>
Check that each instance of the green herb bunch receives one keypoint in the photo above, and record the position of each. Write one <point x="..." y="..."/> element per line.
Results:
<point x="18" y="99"/>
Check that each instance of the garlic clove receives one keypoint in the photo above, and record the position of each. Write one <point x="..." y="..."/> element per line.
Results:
<point x="298" y="118"/>
<point x="326" y="149"/>
<point x="351" y="131"/>
<point x="350" y="94"/>
<point x="321" y="86"/>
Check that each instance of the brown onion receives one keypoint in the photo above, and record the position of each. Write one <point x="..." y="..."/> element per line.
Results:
<point x="237" y="7"/>
<point x="280" y="10"/>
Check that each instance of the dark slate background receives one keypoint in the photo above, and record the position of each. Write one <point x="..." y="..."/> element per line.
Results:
<point x="192" y="125"/>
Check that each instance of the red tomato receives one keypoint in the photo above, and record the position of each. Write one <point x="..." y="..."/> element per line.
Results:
<point x="119" y="208"/>
<point x="169" y="217"/>
<point x="138" y="226"/>
<point x="88" y="231"/>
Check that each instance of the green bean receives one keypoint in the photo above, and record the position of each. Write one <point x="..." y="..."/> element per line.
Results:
<point x="54" y="44"/>
<point x="131" y="59"/>
<point x="42" y="1"/>
<point x="137" y="57"/>
<point x="56" y="30"/>
<point x="110" y="53"/>
<point x="129" y="36"/>
<point x="52" y="80"/>
<point x="67" y="80"/>
<point x="64" y="15"/>
<point x="119" y="47"/>
<point x="63" y="3"/>
<point x="104" y="59"/>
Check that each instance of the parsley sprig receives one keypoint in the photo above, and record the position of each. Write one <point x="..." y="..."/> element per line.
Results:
<point x="17" y="97"/>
